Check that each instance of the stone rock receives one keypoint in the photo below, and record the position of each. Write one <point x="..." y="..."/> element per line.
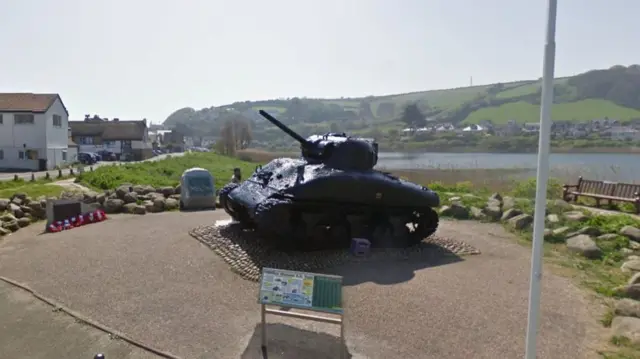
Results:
<point x="561" y="231"/>
<point x="4" y="204"/>
<point x="7" y="217"/>
<point x="121" y="191"/>
<point x="635" y="279"/>
<point x="607" y="237"/>
<point x="171" y="204"/>
<point x="626" y="251"/>
<point x="130" y="197"/>
<point x="629" y="291"/>
<point x="493" y="211"/>
<point x="17" y="201"/>
<point x="454" y="210"/>
<point x="175" y="196"/>
<point x="590" y="231"/>
<point x="508" y="203"/>
<point x="631" y="232"/>
<point x="100" y="198"/>
<point x="139" y="209"/>
<point x="547" y="233"/>
<point x="476" y="213"/>
<point x="495" y="197"/>
<point x="159" y="204"/>
<point x="575" y="216"/>
<point x="20" y="195"/>
<point x="627" y="308"/>
<point x="143" y="189"/>
<point x="520" y="222"/>
<point x="553" y="218"/>
<point x="166" y="191"/>
<point x="113" y="205"/>
<point x="628" y="327"/>
<point x="15" y="209"/>
<point x="4" y="231"/>
<point x="634" y="245"/>
<point x="90" y="197"/>
<point x="562" y="205"/>
<point x="632" y="265"/>
<point x="11" y="225"/>
<point x="633" y="258"/>
<point x="25" y="209"/>
<point x="584" y="245"/>
<point x="178" y="189"/>
<point x="455" y="199"/>
<point x="23" y="222"/>
<point x="128" y="207"/>
<point x="148" y="206"/>
<point x="510" y="213"/>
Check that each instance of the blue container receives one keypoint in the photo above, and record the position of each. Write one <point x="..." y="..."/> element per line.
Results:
<point x="360" y="246"/>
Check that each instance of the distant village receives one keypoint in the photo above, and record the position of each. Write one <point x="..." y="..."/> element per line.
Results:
<point x="605" y="128"/>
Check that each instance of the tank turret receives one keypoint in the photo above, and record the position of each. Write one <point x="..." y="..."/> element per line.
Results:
<point x="336" y="150"/>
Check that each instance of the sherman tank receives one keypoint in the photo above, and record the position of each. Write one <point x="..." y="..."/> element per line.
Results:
<point x="329" y="196"/>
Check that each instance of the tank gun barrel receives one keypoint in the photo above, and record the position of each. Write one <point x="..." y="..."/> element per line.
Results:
<point x="284" y="128"/>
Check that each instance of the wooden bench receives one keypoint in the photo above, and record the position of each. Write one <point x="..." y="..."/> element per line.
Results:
<point x="603" y="190"/>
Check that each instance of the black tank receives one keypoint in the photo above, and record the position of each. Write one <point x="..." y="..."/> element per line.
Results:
<point x="330" y="195"/>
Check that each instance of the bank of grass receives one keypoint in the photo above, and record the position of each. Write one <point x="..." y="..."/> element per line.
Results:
<point x="33" y="189"/>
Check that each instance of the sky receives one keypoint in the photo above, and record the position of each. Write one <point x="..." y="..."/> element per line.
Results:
<point x="147" y="58"/>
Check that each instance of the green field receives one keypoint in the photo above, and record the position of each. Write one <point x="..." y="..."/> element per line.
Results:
<point x="579" y="111"/>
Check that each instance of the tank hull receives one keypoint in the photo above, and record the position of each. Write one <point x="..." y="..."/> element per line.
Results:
<point x="309" y="206"/>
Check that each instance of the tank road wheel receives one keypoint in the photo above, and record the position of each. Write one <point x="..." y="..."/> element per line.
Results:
<point x="236" y="212"/>
<point x="424" y="223"/>
<point x="274" y="221"/>
<point x="330" y="232"/>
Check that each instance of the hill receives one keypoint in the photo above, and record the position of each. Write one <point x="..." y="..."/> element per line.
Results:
<point x="612" y="93"/>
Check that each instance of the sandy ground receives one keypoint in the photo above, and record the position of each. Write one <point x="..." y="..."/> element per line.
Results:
<point x="146" y="277"/>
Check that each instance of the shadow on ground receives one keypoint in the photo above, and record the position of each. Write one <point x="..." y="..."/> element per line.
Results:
<point x="247" y="254"/>
<point x="287" y="342"/>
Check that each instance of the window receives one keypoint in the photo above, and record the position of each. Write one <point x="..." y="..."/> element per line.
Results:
<point x="57" y="121"/>
<point x="21" y="155"/>
<point x="64" y="156"/>
<point x="109" y="143"/>
<point x="1" y="153"/>
<point x="23" y="119"/>
<point x="86" y="140"/>
<point x="31" y="154"/>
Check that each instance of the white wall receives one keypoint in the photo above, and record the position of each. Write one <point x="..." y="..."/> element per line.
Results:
<point x="57" y="138"/>
<point x="115" y="148"/>
<point x="15" y="138"/>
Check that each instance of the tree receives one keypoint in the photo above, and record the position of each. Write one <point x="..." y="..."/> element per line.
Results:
<point x="413" y="117"/>
<point x="234" y="134"/>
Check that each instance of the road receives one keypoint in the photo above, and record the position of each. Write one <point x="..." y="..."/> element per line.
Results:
<point x="6" y="176"/>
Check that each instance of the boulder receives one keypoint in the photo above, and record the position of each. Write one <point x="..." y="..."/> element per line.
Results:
<point x="100" y="198"/>
<point x="166" y="191"/>
<point x="631" y="266"/>
<point x="4" y="231"/>
<point x="149" y="207"/>
<point x="175" y="196"/>
<point x="11" y="225"/>
<point x="553" y="218"/>
<point x="90" y="197"/>
<point x="631" y="232"/>
<point x="23" y="222"/>
<point x="493" y="211"/>
<point x="476" y="213"/>
<point x="510" y="213"/>
<point x="130" y="197"/>
<point x="159" y="204"/>
<point x="4" y="204"/>
<point x="121" y="191"/>
<point x="113" y="205"/>
<point x="627" y="327"/>
<point x="634" y="245"/>
<point x="15" y="209"/>
<point x="591" y="231"/>
<point x="495" y="197"/>
<point x="630" y="291"/>
<point x="508" y="203"/>
<point x="583" y="244"/>
<point x="574" y="216"/>
<point x="561" y="231"/>
<point x="607" y="237"/>
<point x="171" y="204"/>
<point x="17" y="201"/>
<point x="7" y="217"/>
<point x="20" y="195"/>
<point x="455" y="210"/>
<point x="139" y="209"/>
<point x="520" y="222"/>
<point x="635" y="279"/>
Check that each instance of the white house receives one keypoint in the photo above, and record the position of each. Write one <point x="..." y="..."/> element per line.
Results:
<point x="622" y="133"/>
<point x="34" y="132"/>
<point x="125" y="139"/>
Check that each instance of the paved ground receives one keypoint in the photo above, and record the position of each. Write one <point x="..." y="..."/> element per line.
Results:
<point x="146" y="277"/>
<point x="30" y="329"/>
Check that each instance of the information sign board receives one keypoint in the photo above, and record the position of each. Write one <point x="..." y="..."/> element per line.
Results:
<point x="303" y="290"/>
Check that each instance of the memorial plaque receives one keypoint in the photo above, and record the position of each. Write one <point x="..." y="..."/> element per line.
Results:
<point x="64" y="209"/>
<point x="312" y="291"/>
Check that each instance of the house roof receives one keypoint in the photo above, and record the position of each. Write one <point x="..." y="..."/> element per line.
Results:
<point x="109" y="130"/>
<point x="28" y="102"/>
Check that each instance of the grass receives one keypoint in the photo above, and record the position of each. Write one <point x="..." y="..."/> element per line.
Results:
<point x="34" y="189"/>
<point x="165" y="172"/>
<point x="526" y="89"/>
<point x="524" y="112"/>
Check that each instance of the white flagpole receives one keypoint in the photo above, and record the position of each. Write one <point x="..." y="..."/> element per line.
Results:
<point x="541" y="180"/>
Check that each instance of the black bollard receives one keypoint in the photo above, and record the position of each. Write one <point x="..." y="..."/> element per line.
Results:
<point x="99" y="356"/>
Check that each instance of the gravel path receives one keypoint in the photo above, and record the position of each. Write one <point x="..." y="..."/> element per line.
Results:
<point x="146" y="277"/>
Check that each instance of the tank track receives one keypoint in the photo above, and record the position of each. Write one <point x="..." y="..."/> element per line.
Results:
<point x="297" y="226"/>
